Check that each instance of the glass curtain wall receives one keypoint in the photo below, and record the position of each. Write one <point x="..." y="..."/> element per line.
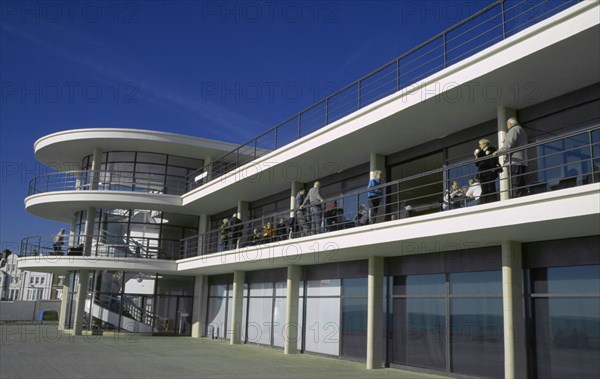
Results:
<point x="565" y="310"/>
<point x="449" y="321"/>
<point x="144" y="172"/>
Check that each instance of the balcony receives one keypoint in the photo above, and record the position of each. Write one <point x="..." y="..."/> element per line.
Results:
<point x="103" y="180"/>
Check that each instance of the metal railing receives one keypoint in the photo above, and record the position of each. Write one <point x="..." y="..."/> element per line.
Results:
<point x="568" y="160"/>
<point x="103" y="180"/>
<point x="556" y="163"/>
<point x="492" y="24"/>
<point x="102" y="246"/>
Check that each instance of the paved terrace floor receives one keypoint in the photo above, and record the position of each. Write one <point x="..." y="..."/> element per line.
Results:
<point x="41" y="351"/>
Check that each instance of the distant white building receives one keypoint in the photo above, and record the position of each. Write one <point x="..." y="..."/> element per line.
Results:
<point x="17" y="284"/>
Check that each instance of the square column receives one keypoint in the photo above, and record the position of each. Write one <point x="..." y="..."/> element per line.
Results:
<point x="89" y="231"/>
<point x="80" y="297"/>
<point x="199" y="306"/>
<point x="375" y="313"/>
<point x="291" y="310"/>
<point x="64" y="302"/>
<point x="515" y="363"/>
<point x="236" y="310"/>
<point x="503" y="115"/>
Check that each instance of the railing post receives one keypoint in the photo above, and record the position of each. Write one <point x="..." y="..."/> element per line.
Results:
<point x="591" y="143"/>
<point x="445" y="52"/>
<point x="299" y="125"/>
<point x="276" y="132"/>
<point x="397" y="75"/>
<point x="326" y="110"/>
<point x="358" y="92"/>
<point x="503" y="20"/>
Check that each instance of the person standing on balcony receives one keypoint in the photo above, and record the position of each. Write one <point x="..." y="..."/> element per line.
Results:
<point x="224" y="234"/>
<point x="59" y="241"/>
<point x="301" y="222"/>
<point x="235" y="228"/>
<point x="315" y="201"/>
<point x="374" y="195"/>
<point x="487" y="171"/>
<point x="515" y="137"/>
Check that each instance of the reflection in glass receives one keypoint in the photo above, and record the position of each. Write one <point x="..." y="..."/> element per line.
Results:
<point x="477" y="336"/>
<point x="419" y="329"/>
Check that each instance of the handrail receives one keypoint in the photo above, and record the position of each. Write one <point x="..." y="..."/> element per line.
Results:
<point x="432" y="200"/>
<point x="107" y="180"/>
<point x="226" y="162"/>
<point x="102" y="245"/>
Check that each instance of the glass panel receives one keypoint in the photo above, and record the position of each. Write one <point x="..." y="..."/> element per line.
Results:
<point x="185" y="162"/>
<point x="476" y="283"/>
<point x="216" y="319"/>
<point x="259" y="320"/>
<point x="184" y="317"/>
<point x="354" y="332"/>
<point x="261" y="289"/>
<point x="419" y="328"/>
<point x="217" y="290"/>
<point x="281" y="289"/>
<point x="575" y="280"/>
<point x="119" y="156"/>
<point x="355" y="287"/>
<point x="567" y="337"/>
<point x="280" y="329"/>
<point x="428" y="284"/>
<point x="477" y="337"/>
<point x="137" y="314"/>
<point x="175" y="285"/>
<point x="322" y="325"/>
<point x="151" y="158"/>
<point x="324" y="287"/>
<point x="166" y="317"/>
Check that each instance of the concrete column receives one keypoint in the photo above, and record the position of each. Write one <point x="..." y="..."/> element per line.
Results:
<point x="294" y="191"/>
<point x="375" y="314"/>
<point x="377" y="162"/>
<point x="96" y="164"/>
<point x="503" y="115"/>
<point x="515" y="365"/>
<point x="89" y="231"/>
<point x="72" y="232"/>
<point x="199" y="310"/>
<point x="207" y="161"/>
<point x="243" y="213"/>
<point x="203" y="225"/>
<point x="64" y="303"/>
<point x="80" y="296"/>
<point x="236" y="310"/>
<point x="291" y="310"/>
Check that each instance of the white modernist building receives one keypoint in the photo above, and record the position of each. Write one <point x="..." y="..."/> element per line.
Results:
<point x="409" y="273"/>
<point x="18" y="285"/>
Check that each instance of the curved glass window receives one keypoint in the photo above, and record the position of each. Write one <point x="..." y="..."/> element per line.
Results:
<point x="144" y="172"/>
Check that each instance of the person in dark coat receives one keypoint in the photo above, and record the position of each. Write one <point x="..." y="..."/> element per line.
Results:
<point x="235" y="227"/>
<point x="487" y="171"/>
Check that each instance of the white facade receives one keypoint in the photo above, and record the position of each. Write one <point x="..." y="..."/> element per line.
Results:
<point x="505" y="287"/>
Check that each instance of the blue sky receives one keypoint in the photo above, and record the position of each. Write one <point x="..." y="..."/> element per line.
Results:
<point x="212" y="69"/>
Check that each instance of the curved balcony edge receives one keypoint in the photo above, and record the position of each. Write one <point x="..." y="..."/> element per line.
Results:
<point x="62" y="264"/>
<point x="60" y="206"/>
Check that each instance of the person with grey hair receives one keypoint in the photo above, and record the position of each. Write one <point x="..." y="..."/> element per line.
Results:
<point x="515" y="137"/>
<point x="59" y="241"/>
<point x="315" y="201"/>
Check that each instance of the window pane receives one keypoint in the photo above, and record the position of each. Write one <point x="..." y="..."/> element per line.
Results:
<point x="574" y="279"/>
<point x="476" y="283"/>
<point x="354" y="324"/>
<point x="325" y="287"/>
<point x="567" y="337"/>
<point x="216" y="317"/>
<point x="430" y="284"/>
<point x="477" y="337"/>
<point x="259" y="320"/>
<point x="280" y="329"/>
<point x="322" y="333"/>
<point x="356" y="287"/>
<point x="419" y="329"/>
<point x="261" y="289"/>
